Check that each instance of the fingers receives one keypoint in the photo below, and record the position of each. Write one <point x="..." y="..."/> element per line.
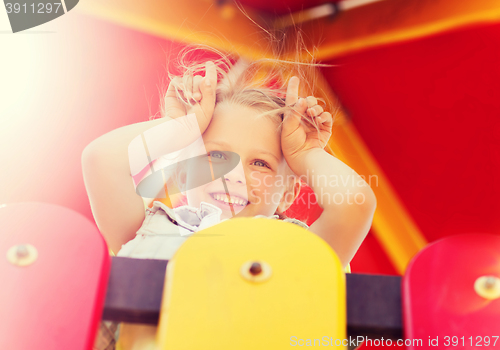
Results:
<point x="311" y="101"/>
<point x="314" y="111"/>
<point x="326" y="121"/>
<point x="292" y="118"/>
<point x="292" y="91"/>
<point x="300" y="107"/>
<point x="188" y="86"/>
<point x="208" y="85"/>
<point x="197" y="79"/>
<point x="210" y="74"/>
<point x="171" y="87"/>
<point x="193" y="86"/>
<point x="323" y="119"/>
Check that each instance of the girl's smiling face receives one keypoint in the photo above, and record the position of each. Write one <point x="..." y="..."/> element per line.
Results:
<point x="258" y="184"/>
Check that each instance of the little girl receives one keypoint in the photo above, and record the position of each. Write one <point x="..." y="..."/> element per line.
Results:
<point x="276" y="137"/>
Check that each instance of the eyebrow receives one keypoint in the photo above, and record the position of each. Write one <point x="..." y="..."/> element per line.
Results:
<point x="257" y="150"/>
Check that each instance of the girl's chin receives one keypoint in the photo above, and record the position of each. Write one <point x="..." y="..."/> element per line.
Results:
<point x="228" y="214"/>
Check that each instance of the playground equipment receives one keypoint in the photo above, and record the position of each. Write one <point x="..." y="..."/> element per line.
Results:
<point x="54" y="273"/>
<point x="245" y="283"/>
<point x="451" y="293"/>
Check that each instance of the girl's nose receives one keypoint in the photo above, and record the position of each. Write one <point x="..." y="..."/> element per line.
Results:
<point x="237" y="175"/>
<point x="235" y="178"/>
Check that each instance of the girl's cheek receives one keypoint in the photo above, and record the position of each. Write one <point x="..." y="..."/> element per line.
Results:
<point x="262" y="180"/>
<point x="254" y="178"/>
<point x="263" y="186"/>
<point x="254" y="184"/>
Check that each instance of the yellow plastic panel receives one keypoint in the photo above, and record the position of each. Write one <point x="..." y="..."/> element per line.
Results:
<point x="211" y="301"/>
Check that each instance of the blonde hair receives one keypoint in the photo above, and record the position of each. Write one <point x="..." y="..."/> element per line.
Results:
<point x="260" y="84"/>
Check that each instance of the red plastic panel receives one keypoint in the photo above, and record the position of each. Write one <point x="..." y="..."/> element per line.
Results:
<point x="439" y="299"/>
<point x="56" y="302"/>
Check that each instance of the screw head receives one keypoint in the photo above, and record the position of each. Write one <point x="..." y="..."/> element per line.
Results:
<point x="255" y="271"/>
<point x="22" y="255"/>
<point x="255" y="268"/>
<point x="22" y="251"/>
<point x="488" y="287"/>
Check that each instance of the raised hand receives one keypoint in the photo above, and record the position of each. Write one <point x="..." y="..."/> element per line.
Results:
<point x="199" y="90"/>
<point x="297" y="138"/>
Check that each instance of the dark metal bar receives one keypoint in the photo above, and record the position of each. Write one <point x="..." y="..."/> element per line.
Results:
<point x="374" y="306"/>
<point x="135" y="290"/>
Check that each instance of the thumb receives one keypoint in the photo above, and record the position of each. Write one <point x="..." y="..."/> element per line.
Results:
<point x="291" y="120"/>
<point x="208" y="87"/>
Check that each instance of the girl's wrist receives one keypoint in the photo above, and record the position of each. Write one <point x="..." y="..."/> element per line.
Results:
<point x="301" y="163"/>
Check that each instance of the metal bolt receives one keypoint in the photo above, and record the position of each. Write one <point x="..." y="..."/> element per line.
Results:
<point x="22" y="255"/>
<point x="22" y="251"/>
<point x="488" y="287"/>
<point x="256" y="271"/>
<point x="490" y="282"/>
<point x="255" y="268"/>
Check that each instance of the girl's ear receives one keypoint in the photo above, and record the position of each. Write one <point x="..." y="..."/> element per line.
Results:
<point x="291" y="193"/>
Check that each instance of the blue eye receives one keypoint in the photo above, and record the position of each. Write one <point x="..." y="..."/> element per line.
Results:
<point x="263" y="163"/>
<point x="217" y="155"/>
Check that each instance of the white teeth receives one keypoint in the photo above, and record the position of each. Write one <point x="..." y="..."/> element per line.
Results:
<point x="223" y="198"/>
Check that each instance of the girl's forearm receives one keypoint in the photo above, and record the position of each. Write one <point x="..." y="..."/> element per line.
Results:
<point x="347" y="200"/>
<point x="334" y="183"/>
<point x="132" y="147"/>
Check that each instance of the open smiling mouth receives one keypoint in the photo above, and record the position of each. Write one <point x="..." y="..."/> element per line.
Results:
<point x="222" y="198"/>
